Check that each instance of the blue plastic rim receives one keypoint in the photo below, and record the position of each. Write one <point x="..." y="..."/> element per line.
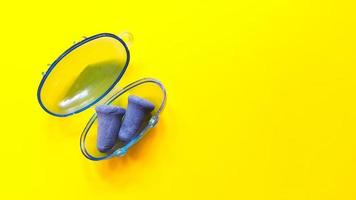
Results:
<point x="151" y="122"/>
<point x="72" y="48"/>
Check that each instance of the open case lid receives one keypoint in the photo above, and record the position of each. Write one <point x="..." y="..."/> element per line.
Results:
<point x="87" y="72"/>
<point x="80" y="77"/>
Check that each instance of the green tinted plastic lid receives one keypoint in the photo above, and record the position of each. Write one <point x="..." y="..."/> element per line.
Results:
<point x="83" y="74"/>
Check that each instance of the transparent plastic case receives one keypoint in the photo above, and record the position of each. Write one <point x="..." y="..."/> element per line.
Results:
<point x="85" y="75"/>
<point x="146" y="88"/>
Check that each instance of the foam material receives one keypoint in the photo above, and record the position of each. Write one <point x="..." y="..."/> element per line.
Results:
<point x="138" y="110"/>
<point x="109" y="123"/>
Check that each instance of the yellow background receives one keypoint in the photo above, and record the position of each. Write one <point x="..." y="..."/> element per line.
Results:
<point x="261" y="100"/>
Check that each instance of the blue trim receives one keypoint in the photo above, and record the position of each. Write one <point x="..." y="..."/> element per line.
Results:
<point x="53" y="65"/>
<point x="151" y="123"/>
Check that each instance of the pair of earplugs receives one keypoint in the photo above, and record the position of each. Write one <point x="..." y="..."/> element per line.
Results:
<point x="111" y="126"/>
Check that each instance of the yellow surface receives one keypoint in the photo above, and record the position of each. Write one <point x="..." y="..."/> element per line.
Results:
<point x="261" y="100"/>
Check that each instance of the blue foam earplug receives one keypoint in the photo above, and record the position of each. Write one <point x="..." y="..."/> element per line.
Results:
<point x="109" y="122"/>
<point x="137" y="111"/>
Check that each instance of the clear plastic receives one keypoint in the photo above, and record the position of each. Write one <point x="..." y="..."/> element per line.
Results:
<point x="147" y="88"/>
<point x="84" y="74"/>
